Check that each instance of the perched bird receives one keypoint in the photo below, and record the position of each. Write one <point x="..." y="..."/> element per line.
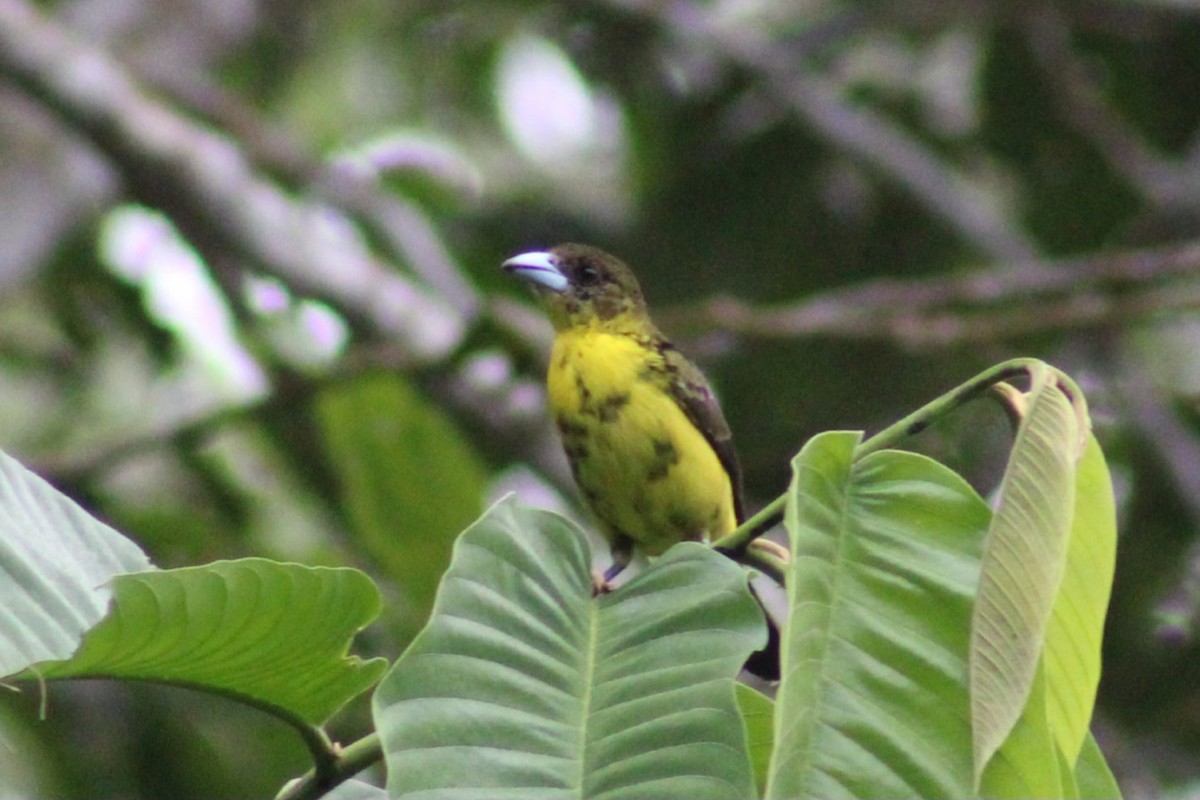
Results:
<point x="646" y="440"/>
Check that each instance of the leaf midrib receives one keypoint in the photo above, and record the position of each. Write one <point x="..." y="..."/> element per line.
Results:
<point x="590" y="659"/>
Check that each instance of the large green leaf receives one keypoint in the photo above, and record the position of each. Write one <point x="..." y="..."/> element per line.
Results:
<point x="1023" y="563"/>
<point x="1076" y="627"/>
<point x="1028" y="764"/>
<point x="410" y="480"/>
<point x="758" y="712"/>
<point x="272" y="634"/>
<point x="524" y="685"/>
<point x="1092" y="775"/>
<point x="55" y="563"/>
<point x="885" y="556"/>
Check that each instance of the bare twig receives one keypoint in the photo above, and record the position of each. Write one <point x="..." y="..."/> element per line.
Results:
<point x="1005" y="301"/>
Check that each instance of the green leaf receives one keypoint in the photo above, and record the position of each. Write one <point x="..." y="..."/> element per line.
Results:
<point x="1076" y="627"/>
<point x="355" y="790"/>
<point x="1092" y="775"/>
<point x="758" y="712"/>
<point x="885" y="556"/>
<point x="1023" y="563"/>
<point x="271" y="634"/>
<point x="1066" y="774"/>
<point x="55" y="563"/>
<point x="410" y="480"/>
<point x="524" y="685"/>
<point x="1027" y="764"/>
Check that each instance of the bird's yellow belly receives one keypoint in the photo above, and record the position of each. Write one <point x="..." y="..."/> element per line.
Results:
<point x="644" y="469"/>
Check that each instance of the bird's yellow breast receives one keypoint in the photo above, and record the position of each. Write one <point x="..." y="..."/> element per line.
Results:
<point x="644" y="469"/>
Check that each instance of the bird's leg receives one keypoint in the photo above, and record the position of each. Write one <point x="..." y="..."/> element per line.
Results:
<point x="622" y="554"/>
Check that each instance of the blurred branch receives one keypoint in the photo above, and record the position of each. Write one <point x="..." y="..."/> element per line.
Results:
<point x="512" y="408"/>
<point x="1152" y="414"/>
<point x="405" y="229"/>
<point x="235" y="215"/>
<point x="988" y="304"/>
<point x="204" y="182"/>
<point x="74" y="465"/>
<point x="945" y="192"/>
<point x="1165" y="181"/>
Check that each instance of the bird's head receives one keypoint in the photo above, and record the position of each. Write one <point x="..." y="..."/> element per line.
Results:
<point x="581" y="286"/>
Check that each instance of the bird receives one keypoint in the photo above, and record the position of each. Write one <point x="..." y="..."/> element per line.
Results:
<point x="646" y="440"/>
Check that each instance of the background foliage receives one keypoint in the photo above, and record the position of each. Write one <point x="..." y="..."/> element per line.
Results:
<point x="250" y="304"/>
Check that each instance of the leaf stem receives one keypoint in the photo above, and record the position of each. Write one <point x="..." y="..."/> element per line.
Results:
<point x="343" y="764"/>
<point x="924" y="416"/>
<point x="324" y="752"/>
<point x="737" y="543"/>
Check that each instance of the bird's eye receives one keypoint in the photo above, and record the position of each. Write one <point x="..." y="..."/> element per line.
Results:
<point x="588" y="276"/>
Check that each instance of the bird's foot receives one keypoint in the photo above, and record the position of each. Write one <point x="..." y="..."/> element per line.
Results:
<point x="600" y="584"/>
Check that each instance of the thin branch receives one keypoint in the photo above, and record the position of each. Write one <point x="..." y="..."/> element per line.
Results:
<point x="984" y="305"/>
<point x="869" y="136"/>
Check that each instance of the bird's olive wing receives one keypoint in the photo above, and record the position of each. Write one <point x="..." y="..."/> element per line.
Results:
<point x="691" y="390"/>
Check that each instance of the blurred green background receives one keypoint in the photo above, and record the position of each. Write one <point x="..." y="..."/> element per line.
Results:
<point x="250" y="301"/>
